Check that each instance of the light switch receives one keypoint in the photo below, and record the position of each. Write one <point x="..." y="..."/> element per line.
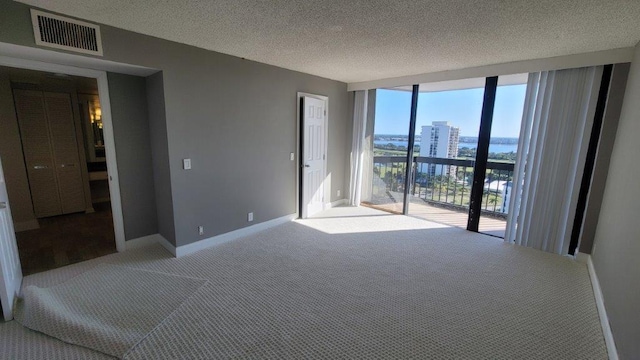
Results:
<point x="292" y="156"/>
<point x="186" y="164"/>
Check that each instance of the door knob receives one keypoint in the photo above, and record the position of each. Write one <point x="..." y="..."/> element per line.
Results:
<point x="3" y="205"/>
<point x="307" y="165"/>
<point x="38" y="167"/>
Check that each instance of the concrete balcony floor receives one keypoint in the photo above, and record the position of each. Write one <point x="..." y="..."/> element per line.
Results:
<point x="452" y="217"/>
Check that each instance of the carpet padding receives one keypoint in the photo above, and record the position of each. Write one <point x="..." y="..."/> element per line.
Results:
<point x="108" y="309"/>
<point x="359" y="284"/>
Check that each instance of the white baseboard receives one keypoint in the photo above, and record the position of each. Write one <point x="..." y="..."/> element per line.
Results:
<point x="602" y="312"/>
<point x="335" y="204"/>
<point x="205" y="243"/>
<point x="26" y="225"/>
<point x="230" y="236"/>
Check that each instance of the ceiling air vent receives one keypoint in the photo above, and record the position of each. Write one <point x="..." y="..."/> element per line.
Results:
<point x="65" y="33"/>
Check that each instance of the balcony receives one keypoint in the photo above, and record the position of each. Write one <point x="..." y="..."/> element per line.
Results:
<point x="440" y="190"/>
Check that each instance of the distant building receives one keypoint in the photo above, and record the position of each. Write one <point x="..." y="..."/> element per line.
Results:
<point x="504" y="187"/>
<point x="440" y="140"/>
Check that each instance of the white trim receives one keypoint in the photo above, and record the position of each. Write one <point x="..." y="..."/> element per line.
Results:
<point x="230" y="236"/>
<point x="468" y="83"/>
<point x="209" y="242"/>
<point x="325" y="183"/>
<point x="112" y="165"/>
<point x="602" y="311"/>
<point x="80" y="61"/>
<point x="336" y="203"/>
<point x="614" y="56"/>
<point x="105" y="104"/>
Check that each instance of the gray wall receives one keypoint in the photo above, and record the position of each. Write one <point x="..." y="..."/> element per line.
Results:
<point x="128" y="95"/>
<point x="160" y="156"/>
<point x="236" y="120"/>
<point x="603" y="157"/>
<point x="616" y="252"/>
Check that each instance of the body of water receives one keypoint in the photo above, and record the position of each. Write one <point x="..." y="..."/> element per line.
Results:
<point x="494" y="148"/>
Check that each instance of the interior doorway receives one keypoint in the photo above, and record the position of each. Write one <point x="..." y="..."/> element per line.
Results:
<point x="312" y="144"/>
<point x="55" y="166"/>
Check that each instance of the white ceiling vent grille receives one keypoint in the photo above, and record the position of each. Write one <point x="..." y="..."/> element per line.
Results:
<point x="65" y="33"/>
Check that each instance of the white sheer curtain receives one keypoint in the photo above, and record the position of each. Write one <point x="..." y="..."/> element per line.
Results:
<point x="357" y="146"/>
<point x="557" y="121"/>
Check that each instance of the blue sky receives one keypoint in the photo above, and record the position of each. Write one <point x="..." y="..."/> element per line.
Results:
<point x="461" y="108"/>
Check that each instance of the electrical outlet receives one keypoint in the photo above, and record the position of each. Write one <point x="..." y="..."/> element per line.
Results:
<point x="186" y="164"/>
<point x="338" y="193"/>
<point x="250" y="216"/>
<point x="292" y="156"/>
<point x="200" y="230"/>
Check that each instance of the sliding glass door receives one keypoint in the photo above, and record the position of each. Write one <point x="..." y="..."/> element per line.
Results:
<point x="503" y="147"/>
<point x="384" y="184"/>
<point x="448" y="119"/>
<point x="445" y="151"/>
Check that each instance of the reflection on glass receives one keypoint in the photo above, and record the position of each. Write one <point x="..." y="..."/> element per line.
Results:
<point x="91" y="113"/>
<point x="384" y="176"/>
<point x="503" y="146"/>
<point x="446" y="141"/>
<point x="447" y="124"/>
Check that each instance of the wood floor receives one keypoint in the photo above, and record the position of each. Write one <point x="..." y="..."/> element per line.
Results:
<point x="67" y="239"/>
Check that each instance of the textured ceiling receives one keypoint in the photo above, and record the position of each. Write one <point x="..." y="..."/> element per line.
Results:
<point x="361" y="40"/>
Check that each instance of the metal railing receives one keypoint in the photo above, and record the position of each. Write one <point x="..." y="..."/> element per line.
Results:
<point x="446" y="182"/>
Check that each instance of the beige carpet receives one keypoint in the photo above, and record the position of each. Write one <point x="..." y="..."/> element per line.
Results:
<point x="359" y="284"/>
<point x="108" y="309"/>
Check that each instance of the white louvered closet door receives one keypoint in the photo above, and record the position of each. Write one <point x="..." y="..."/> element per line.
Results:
<point x="38" y="152"/>
<point x="51" y="153"/>
<point x="65" y="151"/>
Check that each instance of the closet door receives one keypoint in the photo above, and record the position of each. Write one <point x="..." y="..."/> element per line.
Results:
<point x="65" y="151"/>
<point x="38" y="152"/>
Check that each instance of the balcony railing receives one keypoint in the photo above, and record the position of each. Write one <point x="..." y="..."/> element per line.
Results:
<point x="446" y="182"/>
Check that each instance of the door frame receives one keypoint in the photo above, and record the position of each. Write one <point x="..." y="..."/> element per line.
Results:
<point x="110" y="150"/>
<point x="298" y="163"/>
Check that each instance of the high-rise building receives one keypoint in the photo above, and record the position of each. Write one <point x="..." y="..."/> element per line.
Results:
<point x="440" y="140"/>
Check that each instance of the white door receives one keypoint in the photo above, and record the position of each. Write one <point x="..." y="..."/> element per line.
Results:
<point x="313" y="156"/>
<point x="10" y="272"/>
